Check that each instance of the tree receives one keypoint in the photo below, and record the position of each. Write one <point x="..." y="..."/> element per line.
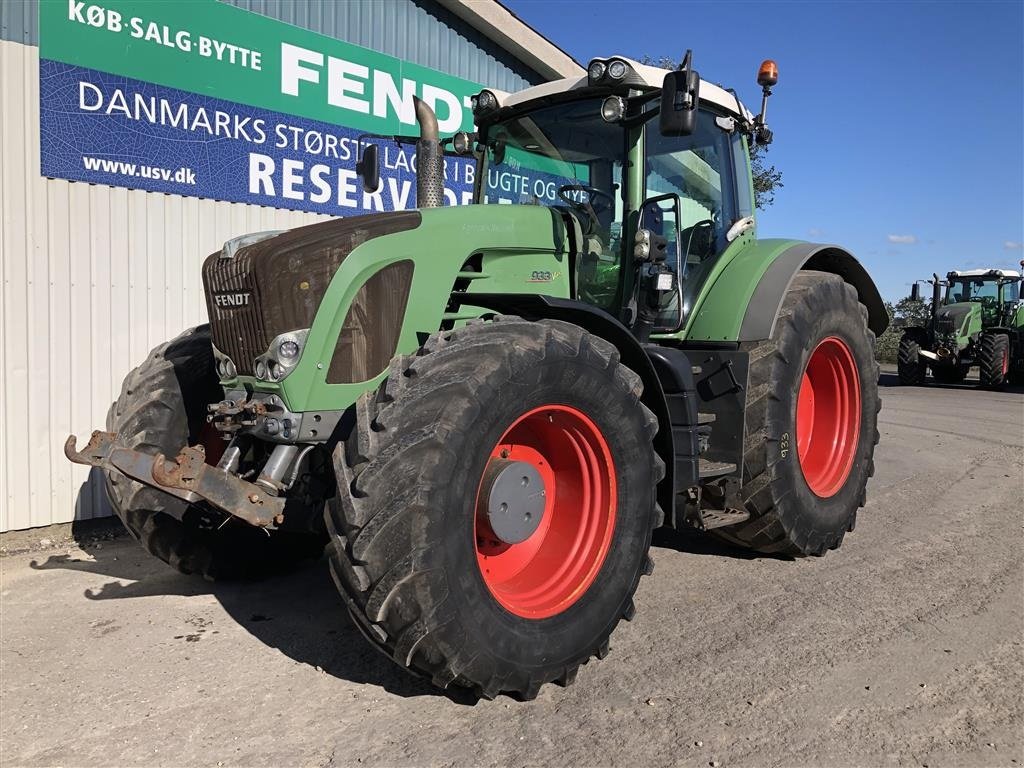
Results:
<point x="767" y="178"/>
<point x="904" y="314"/>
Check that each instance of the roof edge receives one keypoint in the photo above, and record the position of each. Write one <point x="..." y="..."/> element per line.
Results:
<point x="501" y="25"/>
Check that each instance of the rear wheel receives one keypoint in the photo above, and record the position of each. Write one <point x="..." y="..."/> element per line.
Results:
<point x="495" y="507"/>
<point x="994" y="360"/>
<point x="162" y="408"/>
<point x="909" y="367"/>
<point x="811" y="422"/>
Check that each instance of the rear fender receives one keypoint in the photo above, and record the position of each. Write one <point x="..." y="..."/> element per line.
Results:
<point x="766" y="301"/>
<point x="758" y="277"/>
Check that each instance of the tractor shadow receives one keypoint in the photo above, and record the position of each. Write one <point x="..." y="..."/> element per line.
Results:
<point x="300" y="614"/>
<point x="691" y="541"/>
<point x="887" y="379"/>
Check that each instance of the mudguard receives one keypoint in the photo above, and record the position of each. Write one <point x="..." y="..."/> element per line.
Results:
<point x="744" y="281"/>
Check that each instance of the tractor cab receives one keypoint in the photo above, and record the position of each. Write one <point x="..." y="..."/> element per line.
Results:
<point x="650" y="166"/>
<point x="996" y="292"/>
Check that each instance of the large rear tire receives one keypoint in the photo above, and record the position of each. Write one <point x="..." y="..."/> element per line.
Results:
<point x="416" y="554"/>
<point x="811" y="422"/>
<point x="994" y="360"/>
<point x="162" y="408"/>
<point x="909" y="368"/>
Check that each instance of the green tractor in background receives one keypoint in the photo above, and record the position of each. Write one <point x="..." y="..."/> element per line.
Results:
<point x="486" y="410"/>
<point x="977" y="319"/>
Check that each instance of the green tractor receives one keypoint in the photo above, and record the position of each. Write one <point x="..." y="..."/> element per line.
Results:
<point x="486" y="410"/>
<point x="976" y="319"/>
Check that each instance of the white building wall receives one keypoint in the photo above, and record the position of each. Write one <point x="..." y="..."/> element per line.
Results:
<point x="93" y="277"/>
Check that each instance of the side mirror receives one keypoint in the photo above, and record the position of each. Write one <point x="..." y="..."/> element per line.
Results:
<point x="680" y="94"/>
<point x="915" y="292"/>
<point x="368" y="167"/>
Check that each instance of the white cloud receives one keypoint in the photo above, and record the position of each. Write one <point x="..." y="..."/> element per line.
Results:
<point x="1013" y="245"/>
<point x="815" y="232"/>
<point x="902" y="239"/>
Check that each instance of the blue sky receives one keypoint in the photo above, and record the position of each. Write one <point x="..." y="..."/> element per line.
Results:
<point x="899" y="126"/>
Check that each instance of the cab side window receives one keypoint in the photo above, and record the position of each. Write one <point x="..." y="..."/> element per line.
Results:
<point x="701" y="169"/>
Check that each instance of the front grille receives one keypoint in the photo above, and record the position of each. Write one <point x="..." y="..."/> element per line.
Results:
<point x="944" y="325"/>
<point x="276" y="285"/>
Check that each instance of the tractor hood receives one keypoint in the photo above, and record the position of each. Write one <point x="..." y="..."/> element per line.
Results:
<point x="353" y="292"/>
<point x="259" y="291"/>
<point x="953" y="318"/>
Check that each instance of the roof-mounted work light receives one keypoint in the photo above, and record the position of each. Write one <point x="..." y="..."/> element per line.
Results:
<point x="483" y="102"/>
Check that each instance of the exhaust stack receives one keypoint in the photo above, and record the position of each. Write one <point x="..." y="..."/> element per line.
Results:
<point x="936" y="294"/>
<point x="429" y="159"/>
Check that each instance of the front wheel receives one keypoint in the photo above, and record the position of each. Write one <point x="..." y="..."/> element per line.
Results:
<point x="994" y="360"/>
<point x="811" y="422"/>
<point x="910" y="369"/>
<point x="495" y="507"/>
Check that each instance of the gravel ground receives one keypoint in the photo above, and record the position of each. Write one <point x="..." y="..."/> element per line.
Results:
<point x="905" y="647"/>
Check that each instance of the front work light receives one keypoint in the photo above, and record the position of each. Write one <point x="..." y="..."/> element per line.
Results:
<point x="617" y="69"/>
<point x="612" y="109"/>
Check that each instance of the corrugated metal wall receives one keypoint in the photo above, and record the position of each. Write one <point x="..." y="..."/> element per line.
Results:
<point x="92" y="277"/>
<point x="19" y="21"/>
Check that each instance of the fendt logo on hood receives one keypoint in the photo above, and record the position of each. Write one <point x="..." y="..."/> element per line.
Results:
<point x="232" y="300"/>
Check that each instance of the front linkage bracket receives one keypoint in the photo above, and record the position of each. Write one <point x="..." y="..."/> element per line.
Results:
<point x="187" y="477"/>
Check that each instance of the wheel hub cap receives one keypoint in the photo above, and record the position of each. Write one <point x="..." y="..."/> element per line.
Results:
<point x="515" y="499"/>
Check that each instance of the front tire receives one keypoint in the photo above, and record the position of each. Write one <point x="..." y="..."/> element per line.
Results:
<point x="416" y="557"/>
<point x="161" y="409"/>
<point x="994" y="360"/>
<point x="909" y="367"/>
<point x="811" y="422"/>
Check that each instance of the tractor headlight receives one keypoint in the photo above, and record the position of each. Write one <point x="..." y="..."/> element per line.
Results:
<point x="224" y="365"/>
<point x="281" y="357"/>
<point x="596" y="71"/>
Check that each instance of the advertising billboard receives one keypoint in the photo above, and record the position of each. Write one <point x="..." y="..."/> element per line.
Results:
<point x="206" y="100"/>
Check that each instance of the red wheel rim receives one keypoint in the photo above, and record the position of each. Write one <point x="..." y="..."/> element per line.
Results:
<point x="828" y="417"/>
<point x="553" y="568"/>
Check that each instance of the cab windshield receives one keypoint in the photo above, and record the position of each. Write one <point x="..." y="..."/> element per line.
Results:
<point x="972" y="289"/>
<point x="565" y="156"/>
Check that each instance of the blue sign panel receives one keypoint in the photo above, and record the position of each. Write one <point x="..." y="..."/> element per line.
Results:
<point x="110" y="129"/>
